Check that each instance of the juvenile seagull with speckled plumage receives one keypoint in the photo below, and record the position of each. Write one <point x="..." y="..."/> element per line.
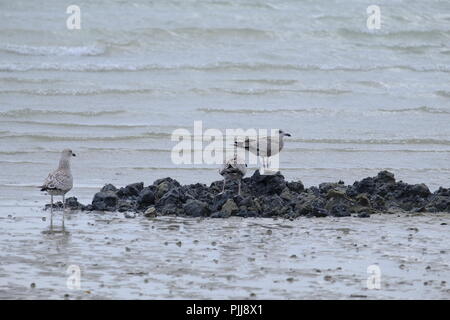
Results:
<point x="233" y="169"/>
<point x="60" y="181"/>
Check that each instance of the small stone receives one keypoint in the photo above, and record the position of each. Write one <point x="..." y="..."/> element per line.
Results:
<point x="286" y="194"/>
<point x="328" y="278"/>
<point x="230" y="207"/>
<point x="150" y="212"/>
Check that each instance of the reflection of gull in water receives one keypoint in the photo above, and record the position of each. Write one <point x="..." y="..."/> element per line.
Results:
<point x="233" y="169"/>
<point x="60" y="181"/>
<point x="264" y="147"/>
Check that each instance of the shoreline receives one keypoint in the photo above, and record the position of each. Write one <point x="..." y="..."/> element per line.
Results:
<point x="268" y="196"/>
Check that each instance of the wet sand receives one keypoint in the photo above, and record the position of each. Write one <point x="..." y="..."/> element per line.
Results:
<point x="235" y="258"/>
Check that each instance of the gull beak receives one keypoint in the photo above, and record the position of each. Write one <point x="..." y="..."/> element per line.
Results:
<point x="287" y="134"/>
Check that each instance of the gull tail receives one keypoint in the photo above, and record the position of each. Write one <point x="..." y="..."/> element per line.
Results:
<point x="46" y="188"/>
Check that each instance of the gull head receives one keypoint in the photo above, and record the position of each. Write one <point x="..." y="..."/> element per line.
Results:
<point x="67" y="153"/>
<point x="284" y="134"/>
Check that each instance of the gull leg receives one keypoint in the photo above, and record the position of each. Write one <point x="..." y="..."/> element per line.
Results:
<point x="64" y="209"/>
<point x="223" y="187"/>
<point x="239" y="188"/>
<point x="51" y="212"/>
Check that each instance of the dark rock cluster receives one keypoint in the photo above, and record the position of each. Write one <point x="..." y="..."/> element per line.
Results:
<point x="269" y="196"/>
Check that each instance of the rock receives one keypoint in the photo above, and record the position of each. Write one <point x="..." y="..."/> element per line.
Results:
<point x="73" y="204"/>
<point x="421" y="190"/>
<point x="366" y="185"/>
<point x="308" y="204"/>
<point x="364" y="215"/>
<point x="247" y="213"/>
<point x="246" y="202"/>
<point x="338" y="204"/>
<point x="169" y="181"/>
<point x="56" y="205"/>
<point x="439" y="201"/>
<point x="131" y="190"/>
<point x="266" y="184"/>
<point x="385" y="177"/>
<point x="161" y="189"/>
<point x="146" y="198"/>
<point x="363" y="200"/>
<point x="336" y="194"/>
<point x="164" y="185"/>
<point x="105" y="201"/>
<point x="219" y="200"/>
<point x="220" y="214"/>
<point x="325" y="187"/>
<point x="196" y="208"/>
<point x="230" y="207"/>
<point x="150" y="212"/>
<point x="295" y="186"/>
<point x="124" y="206"/>
<point x="317" y="212"/>
<point x="169" y="209"/>
<point x="108" y="187"/>
<point x="339" y="210"/>
<point x="273" y="206"/>
<point x="269" y="196"/>
<point x="174" y="197"/>
<point x="378" y="203"/>
<point x="286" y="194"/>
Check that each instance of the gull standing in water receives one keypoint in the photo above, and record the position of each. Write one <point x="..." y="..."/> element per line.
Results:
<point x="233" y="169"/>
<point x="60" y="181"/>
<point x="264" y="147"/>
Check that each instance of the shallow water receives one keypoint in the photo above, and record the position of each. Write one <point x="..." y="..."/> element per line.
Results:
<point x="170" y="258"/>
<point x="355" y="101"/>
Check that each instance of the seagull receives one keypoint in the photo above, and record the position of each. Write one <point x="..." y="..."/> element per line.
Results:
<point x="233" y="169"/>
<point x="60" y="181"/>
<point x="264" y="147"/>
